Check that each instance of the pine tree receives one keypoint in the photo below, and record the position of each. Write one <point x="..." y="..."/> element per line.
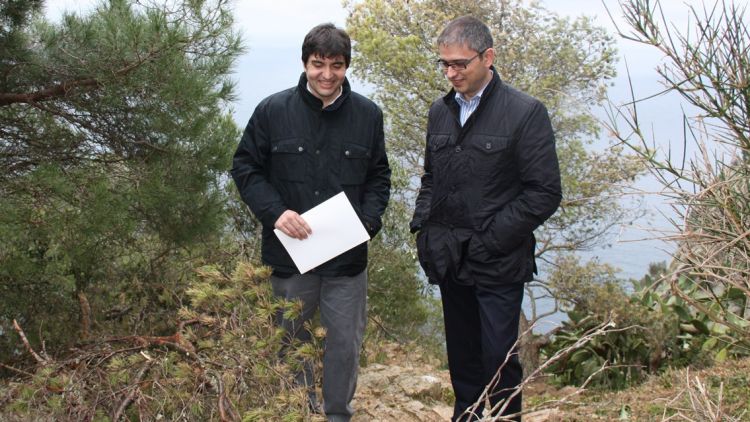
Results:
<point x="114" y="136"/>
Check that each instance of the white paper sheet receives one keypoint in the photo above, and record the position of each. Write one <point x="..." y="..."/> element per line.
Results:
<point x="335" y="229"/>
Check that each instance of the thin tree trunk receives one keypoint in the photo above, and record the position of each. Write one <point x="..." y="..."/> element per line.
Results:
<point x="528" y="351"/>
<point x="85" y="309"/>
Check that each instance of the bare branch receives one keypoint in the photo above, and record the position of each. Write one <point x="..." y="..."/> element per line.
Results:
<point x="26" y="343"/>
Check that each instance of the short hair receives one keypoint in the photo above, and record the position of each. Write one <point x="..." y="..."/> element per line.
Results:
<point x="325" y="40"/>
<point x="468" y="31"/>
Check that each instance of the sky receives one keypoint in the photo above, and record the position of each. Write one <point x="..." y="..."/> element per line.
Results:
<point x="273" y="31"/>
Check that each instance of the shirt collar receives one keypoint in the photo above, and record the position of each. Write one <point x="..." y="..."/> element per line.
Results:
<point x="341" y="91"/>
<point x="460" y="98"/>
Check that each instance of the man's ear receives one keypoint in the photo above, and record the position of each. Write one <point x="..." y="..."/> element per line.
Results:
<point x="488" y="57"/>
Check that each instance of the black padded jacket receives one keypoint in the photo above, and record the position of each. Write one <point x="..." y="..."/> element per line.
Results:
<point x="486" y="187"/>
<point x="295" y="154"/>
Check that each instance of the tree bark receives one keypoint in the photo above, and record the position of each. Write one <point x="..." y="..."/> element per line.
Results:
<point x="528" y="347"/>
<point x="85" y="309"/>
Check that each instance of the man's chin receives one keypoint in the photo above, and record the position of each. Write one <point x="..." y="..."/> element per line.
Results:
<point x="324" y="94"/>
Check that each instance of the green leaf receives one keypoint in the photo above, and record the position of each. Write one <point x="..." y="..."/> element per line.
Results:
<point x="735" y="294"/>
<point x="701" y="326"/>
<point x="682" y="313"/>
<point x="718" y="329"/>
<point x="721" y="356"/>
<point x="579" y="356"/>
<point x="709" y="344"/>
<point x="737" y="320"/>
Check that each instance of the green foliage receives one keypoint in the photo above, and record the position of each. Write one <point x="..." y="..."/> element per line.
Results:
<point x="565" y="63"/>
<point x="705" y="64"/>
<point x="221" y="363"/>
<point x="114" y="138"/>
<point x="625" y="353"/>
<point x="402" y="305"/>
<point x="592" y="295"/>
<point x="698" y="303"/>
<point x="656" y="330"/>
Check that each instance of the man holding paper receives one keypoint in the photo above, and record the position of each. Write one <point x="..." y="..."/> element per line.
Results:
<point x="301" y="147"/>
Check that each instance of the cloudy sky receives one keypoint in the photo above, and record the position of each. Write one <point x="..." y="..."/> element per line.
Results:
<point x="273" y="31"/>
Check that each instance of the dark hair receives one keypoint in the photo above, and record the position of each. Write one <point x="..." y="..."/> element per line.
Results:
<point x="327" y="41"/>
<point x="468" y="31"/>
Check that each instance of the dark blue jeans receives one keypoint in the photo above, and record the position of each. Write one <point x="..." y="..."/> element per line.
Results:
<point x="481" y="327"/>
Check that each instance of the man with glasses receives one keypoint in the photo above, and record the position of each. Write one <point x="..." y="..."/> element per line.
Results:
<point x="491" y="177"/>
<point x="301" y="147"/>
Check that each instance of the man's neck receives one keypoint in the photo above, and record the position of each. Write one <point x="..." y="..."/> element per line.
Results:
<point x="487" y="80"/>
<point x="331" y="99"/>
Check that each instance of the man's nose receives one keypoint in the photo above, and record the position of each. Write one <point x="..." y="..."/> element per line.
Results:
<point x="450" y="72"/>
<point x="327" y="73"/>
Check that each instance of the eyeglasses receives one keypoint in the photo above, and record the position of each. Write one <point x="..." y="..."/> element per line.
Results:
<point x="457" y="65"/>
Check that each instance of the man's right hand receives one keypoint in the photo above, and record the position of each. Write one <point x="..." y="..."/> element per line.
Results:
<point x="293" y="225"/>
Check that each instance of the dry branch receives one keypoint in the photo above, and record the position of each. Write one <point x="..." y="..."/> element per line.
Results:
<point x="19" y="371"/>
<point x="503" y="404"/>
<point x="226" y="411"/>
<point x="26" y="343"/>
<point x="131" y="393"/>
<point x="175" y="342"/>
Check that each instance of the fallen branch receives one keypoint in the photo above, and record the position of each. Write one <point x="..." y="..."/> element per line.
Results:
<point x="26" y="343"/>
<point x="500" y="407"/>
<point x="383" y="329"/>
<point x="131" y="394"/>
<point x="109" y="355"/>
<point x="182" y="324"/>
<point x="174" y="342"/>
<point x="19" y="371"/>
<point x="226" y="411"/>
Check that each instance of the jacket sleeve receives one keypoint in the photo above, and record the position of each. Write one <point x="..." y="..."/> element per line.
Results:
<point x="541" y="190"/>
<point x="377" y="187"/>
<point x="250" y="171"/>
<point x="424" y="197"/>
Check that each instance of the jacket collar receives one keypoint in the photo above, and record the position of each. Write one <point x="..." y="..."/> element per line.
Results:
<point x="315" y="102"/>
<point x="450" y="97"/>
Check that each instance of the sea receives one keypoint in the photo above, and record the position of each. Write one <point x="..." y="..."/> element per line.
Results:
<point x="630" y="247"/>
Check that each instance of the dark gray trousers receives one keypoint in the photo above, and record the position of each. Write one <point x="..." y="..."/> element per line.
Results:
<point x="343" y="313"/>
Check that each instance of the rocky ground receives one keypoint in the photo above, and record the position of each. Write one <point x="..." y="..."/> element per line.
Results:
<point x="408" y="388"/>
<point x="413" y="392"/>
<point x="404" y="392"/>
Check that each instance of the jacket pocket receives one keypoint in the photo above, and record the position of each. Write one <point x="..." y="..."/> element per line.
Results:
<point x="440" y="155"/>
<point x="288" y="159"/>
<point x="436" y="142"/>
<point x="489" y="154"/>
<point x="354" y="164"/>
